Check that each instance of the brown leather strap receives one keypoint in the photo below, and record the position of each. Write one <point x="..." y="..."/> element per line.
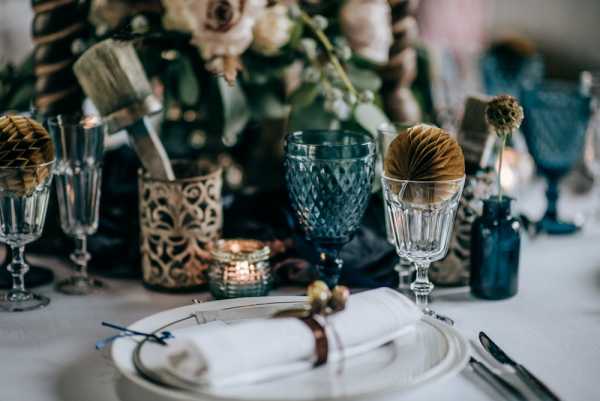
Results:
<point x="321" y="344"/>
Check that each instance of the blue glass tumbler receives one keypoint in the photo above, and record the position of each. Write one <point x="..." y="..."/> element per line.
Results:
<point x="495" y="247"/>
<point x="329" y="177"/>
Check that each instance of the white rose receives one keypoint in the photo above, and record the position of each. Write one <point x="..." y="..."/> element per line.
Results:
<point x="272" y="30"/>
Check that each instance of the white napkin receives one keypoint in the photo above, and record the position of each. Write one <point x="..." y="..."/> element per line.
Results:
<point x="219" y="354"/>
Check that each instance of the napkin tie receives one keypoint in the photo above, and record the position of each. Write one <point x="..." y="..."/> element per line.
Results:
<point x="321" y="343"/>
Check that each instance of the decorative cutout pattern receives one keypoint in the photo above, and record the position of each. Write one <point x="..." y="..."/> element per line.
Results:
<point x="178" y="220"/>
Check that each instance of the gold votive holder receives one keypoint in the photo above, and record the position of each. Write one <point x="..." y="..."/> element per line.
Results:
<point x="239" y="268"/>
<point x="179" y="220"/>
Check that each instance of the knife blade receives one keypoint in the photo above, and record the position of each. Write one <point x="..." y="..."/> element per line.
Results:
<point x="507" y="390"/>
<point x="535" y="384"/>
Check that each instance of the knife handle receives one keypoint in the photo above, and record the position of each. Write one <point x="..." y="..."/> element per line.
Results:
<point x="535" y="384"/>
<point x="497" y="382"/>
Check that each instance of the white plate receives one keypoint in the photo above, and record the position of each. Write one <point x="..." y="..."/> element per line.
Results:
<point x="435" y="351"/>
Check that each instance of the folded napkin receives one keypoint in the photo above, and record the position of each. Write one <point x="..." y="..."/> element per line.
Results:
<point x="249" y="351"/>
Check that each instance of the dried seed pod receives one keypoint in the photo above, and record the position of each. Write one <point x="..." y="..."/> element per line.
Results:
<point x="319" y="296"/>
<point x="339" y="298"/>
<point x="504" y="113"/>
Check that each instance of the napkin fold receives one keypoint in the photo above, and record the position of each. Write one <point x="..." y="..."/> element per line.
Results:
<point x="249" y="351"/>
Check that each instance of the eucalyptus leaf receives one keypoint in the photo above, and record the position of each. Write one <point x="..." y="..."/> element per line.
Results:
<point x="236" y="112"/>
<point x="369" y="117"/>
<point x="314" y="116"/>
<point x="187" y="83"/>
<point x="364" y="79"/>
<point x="304" y="95"/>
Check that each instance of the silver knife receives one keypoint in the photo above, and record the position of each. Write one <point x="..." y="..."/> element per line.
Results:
<point x="507" y="390"/>
<point x="535" y="384"/>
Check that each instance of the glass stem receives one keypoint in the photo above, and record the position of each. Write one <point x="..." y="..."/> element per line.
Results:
<point x="422" y="287"/>
<point x="81" y="256"/>
<point x="18" y="268"/>
<point x="552" y="198"/>
<point x="329" y="265"/>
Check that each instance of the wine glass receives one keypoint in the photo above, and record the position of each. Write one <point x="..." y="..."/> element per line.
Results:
<point x="22" y="216"/>
<point x="329" y="177"/>
<point x="387" y="132"/>
<point x="79" y="146"/>
<point x="422" y="216"/>
<point x="556" y="119"/>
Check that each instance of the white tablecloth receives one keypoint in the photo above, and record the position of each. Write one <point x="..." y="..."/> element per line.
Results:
<point x="552" y="326"/>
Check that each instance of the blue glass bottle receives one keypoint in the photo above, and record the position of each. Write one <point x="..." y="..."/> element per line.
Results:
<point x="495" y="248"/>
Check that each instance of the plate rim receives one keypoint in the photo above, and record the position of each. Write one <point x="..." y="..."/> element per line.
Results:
<point x="450" y="333"/>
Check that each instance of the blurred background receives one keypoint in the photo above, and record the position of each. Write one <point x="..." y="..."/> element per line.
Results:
<point x="566" y="32"/>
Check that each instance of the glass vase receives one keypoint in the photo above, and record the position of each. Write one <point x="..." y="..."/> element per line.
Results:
<point x="495" y="248"/>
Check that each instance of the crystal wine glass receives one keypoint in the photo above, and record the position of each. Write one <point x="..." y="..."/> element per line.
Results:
<point x="387" y="132"/>
<point x="556" y="119"/>
<point x="22" y="216"/>
<point x="79" y="146"/>
<point x="329" y="177"/>
<point x="422" y="216"/>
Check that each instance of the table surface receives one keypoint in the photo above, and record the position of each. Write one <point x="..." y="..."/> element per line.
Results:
<point x="551" y="326"/>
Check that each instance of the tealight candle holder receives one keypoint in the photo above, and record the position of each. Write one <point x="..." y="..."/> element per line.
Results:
<point x="239" y="268"/>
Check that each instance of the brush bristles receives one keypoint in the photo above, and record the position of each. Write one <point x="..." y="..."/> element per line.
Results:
<point x="112" y="76"/>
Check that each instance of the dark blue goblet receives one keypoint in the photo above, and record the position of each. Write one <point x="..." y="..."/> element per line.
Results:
<point x="329" y="176"/>
<point x="505" y="72"/>
<point x="556" y="119"/>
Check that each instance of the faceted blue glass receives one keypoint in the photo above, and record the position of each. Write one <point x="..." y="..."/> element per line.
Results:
<point x="329" y="176"/>
<point x="556" y="119"/>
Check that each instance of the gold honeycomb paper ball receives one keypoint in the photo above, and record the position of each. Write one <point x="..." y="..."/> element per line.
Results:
<point x="25" y="150"/>
<point x="424" y="153"/>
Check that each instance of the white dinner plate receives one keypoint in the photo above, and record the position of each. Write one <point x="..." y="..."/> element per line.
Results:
<point x="434" y="351"/>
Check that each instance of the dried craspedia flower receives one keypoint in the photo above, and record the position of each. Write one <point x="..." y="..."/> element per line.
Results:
<point x="504" y="113"/>
<point x="424" y="153"/>
<point x="25" y="150"/>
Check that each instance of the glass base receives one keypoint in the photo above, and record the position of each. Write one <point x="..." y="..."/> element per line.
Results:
<point x="556" y="227"/>
<point x="79" y="285"/>
<point x="22" y="301"/>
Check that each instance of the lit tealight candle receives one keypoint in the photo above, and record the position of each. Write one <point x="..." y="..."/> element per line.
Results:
<point x="240" y="268"/>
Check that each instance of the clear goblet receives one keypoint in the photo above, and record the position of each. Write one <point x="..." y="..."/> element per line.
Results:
<point x="22" y="216"/>
<point x="329" y="177"/>
<point x="387" y="132"/>
<point x="422" y="216"/>
<point x="79" y="146"/>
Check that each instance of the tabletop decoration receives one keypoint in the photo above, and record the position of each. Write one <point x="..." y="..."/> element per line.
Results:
<point x="113" y="77"/>
<point x="179" y="220"/>
<point x="329" y="177"/>
<point x="474" y="137"/>
<point x="496" y="240"/>
<point x="556" y="119"/>
<point x="25" y="177"/>
<point x="58" y="32"/>
<point x="423" y="182"/>
<point x="79" y="145"/>
<point x="239" y="268"/>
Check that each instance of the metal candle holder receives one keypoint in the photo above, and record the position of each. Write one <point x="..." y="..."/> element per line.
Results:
<point x="178" y="220"/>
